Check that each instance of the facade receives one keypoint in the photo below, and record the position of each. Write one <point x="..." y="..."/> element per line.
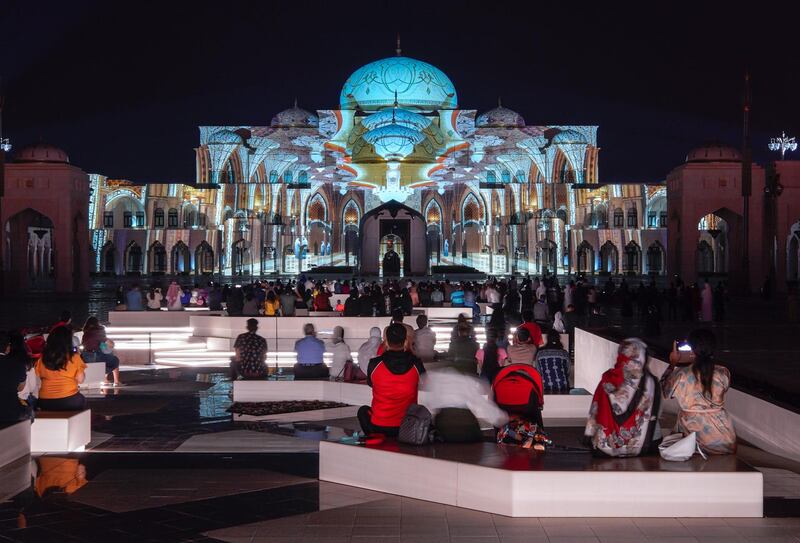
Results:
<point x="495" y="193"/>
<point x="706" y="218"/>
<point x="46" y="242"/>
<point x="399" y="170"/>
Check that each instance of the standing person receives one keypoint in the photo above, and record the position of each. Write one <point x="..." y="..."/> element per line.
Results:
<point x="133" y="299"/>
<point x="235" y="305"/>
<point x="215" y="298"/>
<point x="700" y="389"/>
<point x="352" y="304"/>
<point x="61" y="370"/>
<point x="541" y="312"/>
<point x="623" y="418"/>
<point x="13" y="375"/>
<point x="424" y="340"/>
<point x="98" y="347"/>
<point x="706" y="303"/>
<point x="288" y="301"/>
<point x="310" y="350"/>
<point x="249" y="362"/>
<point x="394" y="377"/>
<point x="341" y="353"/>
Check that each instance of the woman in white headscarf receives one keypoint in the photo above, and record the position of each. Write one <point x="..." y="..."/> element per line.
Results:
<point x="558" y="323"/>
<point x="369" y="349"/>
<point x="341" y="353"/>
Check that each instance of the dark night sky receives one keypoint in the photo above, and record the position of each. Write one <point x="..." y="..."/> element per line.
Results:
<point x="122" y="86"/>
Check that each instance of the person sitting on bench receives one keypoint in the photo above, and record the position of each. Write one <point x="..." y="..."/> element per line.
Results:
<point x="61" y="369"/>
<point x="251" y="353"/>
<point x="394" y="378"/>
<point x="309" y="356"/>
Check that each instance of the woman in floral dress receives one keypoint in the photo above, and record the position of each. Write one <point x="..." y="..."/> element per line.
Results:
<point x="700" y="387"/>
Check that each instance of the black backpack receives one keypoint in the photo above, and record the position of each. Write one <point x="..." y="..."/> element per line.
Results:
<point x="416" y="426"/>
<point x="457" y="425"/>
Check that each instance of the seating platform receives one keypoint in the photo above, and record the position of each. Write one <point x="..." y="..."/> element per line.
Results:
<point x="516" y="482"/>
<point x="557" y="407"/>
<point x="16" y="440"/>
<point x="61" y="431"/>
<point x="95" y="375"/>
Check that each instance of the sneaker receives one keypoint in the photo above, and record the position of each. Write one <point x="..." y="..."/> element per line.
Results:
<point x="117" y="385"/>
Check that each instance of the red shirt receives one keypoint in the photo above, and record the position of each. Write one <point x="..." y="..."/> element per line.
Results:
<point x="392" y="392"/>
<point x="535" y="331"/>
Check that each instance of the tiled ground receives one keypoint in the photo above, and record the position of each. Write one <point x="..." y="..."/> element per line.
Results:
<point x="168" y="463"/>
<point x="385" y="519"/>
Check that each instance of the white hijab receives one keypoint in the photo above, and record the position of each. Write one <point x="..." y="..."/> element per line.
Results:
<point x="369" y="349"/>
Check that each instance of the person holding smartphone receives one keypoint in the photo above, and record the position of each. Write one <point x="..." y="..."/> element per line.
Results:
<point x="699" y="385"/>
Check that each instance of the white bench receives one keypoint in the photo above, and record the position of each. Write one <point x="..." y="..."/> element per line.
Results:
<point x="583" y="487"/>
<point x="557" y="407"/>
<point x="95" y="375"/>
<point x="61" y="431"/>
<point x="16" y="440"/>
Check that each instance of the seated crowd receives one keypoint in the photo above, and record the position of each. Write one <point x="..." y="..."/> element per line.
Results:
<point x="523" y="342"/>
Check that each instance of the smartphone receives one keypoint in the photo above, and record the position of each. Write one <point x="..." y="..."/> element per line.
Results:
<point x="683" y="346"/>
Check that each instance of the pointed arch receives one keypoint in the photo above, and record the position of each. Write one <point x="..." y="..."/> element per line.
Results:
<point x="609" y="258"/>
<point x="317" y="208"/>
<point x="351" y="213"/>
<point x="655" y="258"/>
<point x="181" y="258"/>
<point x="585" y="258"/>
<point x="632" y="263"/>
<point x="204" y="259"/>
<point x="157" y="258"/>
<point x="108" y="258"/>
<point x="134" y="259"/>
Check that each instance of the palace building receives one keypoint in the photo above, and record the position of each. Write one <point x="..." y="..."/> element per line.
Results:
<point x="398" y="180"/>
<point x="484" y="190"/>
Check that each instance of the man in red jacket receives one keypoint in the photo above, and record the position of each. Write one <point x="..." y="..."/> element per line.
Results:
<point x="394" y="378"/>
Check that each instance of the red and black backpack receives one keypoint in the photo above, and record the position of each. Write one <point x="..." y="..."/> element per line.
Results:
<point x="517" y="389"/>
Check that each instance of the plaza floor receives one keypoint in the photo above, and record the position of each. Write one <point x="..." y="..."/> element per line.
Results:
<point x="167" y="462"/>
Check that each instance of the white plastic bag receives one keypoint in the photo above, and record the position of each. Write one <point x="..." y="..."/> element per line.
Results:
<point x="677" y="448"/>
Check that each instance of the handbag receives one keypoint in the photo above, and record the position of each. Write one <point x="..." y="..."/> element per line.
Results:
<point x="677" y="448"/>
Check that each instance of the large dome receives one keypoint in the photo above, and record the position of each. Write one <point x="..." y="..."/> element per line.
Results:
<point x="500" y="117"/>
<point x="416" y="84"/>
<point x="714" y="152"/>
<point x="295" y="117"/>
<point x="42" y="152"/>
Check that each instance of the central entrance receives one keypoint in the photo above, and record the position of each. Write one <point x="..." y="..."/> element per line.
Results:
<point x="393" y="242"/>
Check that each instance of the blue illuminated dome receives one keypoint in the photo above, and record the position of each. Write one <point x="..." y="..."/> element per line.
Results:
<point x="417" y="85"/>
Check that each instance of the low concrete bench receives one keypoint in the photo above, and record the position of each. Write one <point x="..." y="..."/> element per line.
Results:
<point x="557" y="407"/>
<point x="95" y="375"/>
<point x="61" y="431"/>
<point x="517" y="482"/>
<point x="16" y="441"/>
